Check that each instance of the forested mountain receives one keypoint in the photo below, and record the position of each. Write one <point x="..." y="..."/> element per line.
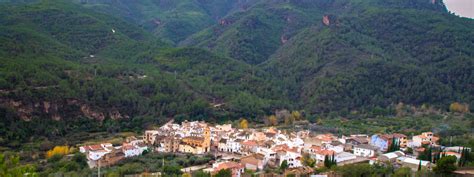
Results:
<point x="171" y="20"/>
<point x="147" y="61"/>
<point x="62" y="63"/>
<point x="379" y="57"/>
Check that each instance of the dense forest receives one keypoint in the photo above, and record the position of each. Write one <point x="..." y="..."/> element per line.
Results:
<point x="99" y="65"/>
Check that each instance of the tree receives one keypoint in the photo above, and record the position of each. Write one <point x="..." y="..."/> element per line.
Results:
<point x="58" y="150"/>
<point x="10" y="167"/>
<point x="224" y="173"/>
<point x="80" y="159"/>
<point x="464" y="157"/>
<point x="393" y="146"/>
<point x="419" y="166"/>
<point x="329" y="161"/>
<point x="296" y="115"/>
<point x="402" y="172"/>
<point x="244" y="124"/>
<point x="356" y="170"/>
<point x="459" y="107"/>
<point x="429" y="155"/>
<point x="445" y="165"/>
<point x="186" y="175"/>
<point x="308" y="161"/>
<point x="272" y="120"/>
<point x="201" y="173"/>
<point x="284" y="165"/>
<point x="172" y="170"/>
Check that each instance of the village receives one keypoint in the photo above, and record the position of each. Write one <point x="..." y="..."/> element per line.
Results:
<point x="300" y="152"/>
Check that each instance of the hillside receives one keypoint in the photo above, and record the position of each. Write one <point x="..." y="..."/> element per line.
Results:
<point x="352" y="55"/>
<point x="172" y="20"/>
<point x="256" y="33"/>
<point x="67" y="65"/>
<point x="66" y="68"/>
<point x="379" y="57"/>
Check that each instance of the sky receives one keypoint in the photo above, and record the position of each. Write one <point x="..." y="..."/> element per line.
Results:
<point x="463" y="8"/>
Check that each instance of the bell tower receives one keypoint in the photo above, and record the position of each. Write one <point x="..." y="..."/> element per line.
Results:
<point x="207" y="139"/>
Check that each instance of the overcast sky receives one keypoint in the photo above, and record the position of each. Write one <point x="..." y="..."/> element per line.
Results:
<point x="464" y="8"/>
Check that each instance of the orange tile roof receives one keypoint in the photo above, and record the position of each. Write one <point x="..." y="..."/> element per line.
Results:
<point x="421" y="149"/>
<point x="422" y="136"/>
<point x="94" y="147"/>
<point x="316" y="148"/>
<point x="128" y="147"/>
<point x="452" y="153"/>
<point x="227" y="165"/>
<point x="249" y="143"/>
<point x="325" y="152"/>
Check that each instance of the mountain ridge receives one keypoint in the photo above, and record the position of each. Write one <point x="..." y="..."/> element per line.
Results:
<point x="66" y="62"/>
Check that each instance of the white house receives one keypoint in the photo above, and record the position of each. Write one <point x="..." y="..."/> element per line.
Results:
<point x="293" y="159"/>
<point x="224" y="127"/>
<point x="413" y="163"/>
<point x="229" y="145"/>
<point x="96" y="155"/>
<point x="365" y="150"/>
<point x="344" y="156"/>
<point x="336" y="146"/>
<point x="456" y="149"/>
<point x="426" y="138"/>
<point x="130" y="150"/>
<point x="320" y="155"/>
<point x="222" y="146"/>
<point x="268" y="154"/>
<point x="391" y="156"/>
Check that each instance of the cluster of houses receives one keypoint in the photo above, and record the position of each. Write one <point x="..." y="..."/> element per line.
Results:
<point x="105" y="154"/>
<point x="257" y="149"/>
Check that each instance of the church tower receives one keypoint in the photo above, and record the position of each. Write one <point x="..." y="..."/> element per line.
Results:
<point x="207" y="139"/>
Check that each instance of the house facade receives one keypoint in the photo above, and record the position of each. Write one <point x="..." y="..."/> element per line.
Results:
<point x="365" y="150"/>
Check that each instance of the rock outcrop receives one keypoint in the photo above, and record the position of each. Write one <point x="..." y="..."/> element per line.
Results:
<point x="56" y="110"/>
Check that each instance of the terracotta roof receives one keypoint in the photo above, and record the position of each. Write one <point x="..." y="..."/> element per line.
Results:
<point x="451" y="153"/>
<point x="270" y="134"/>
<point x="325" y="137"/>
<point x="128" y="147"/>
<point x="94" y="147"/>
<point x="421" y="149"/>
<point x="249" y="143"/>
<point x="360" y="140"/>
<point x="227" y="165"/>
<point x="194" y="138"/>
<point x="252" y="159"/>
<point x="316" y="148"/>
<point x="386" y="137"/>
<point x="325" y="152"/>
<point x="422" y="136"/>
<point x="399" y="135"/>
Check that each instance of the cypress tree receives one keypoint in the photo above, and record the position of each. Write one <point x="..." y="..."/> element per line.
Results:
<point x="463" y="157"/>
<point x="397" y="146"/>
<point x="326" y="161"/>
<point x="429" y="155"/>
<point x="334" y="162"/>
<point x="419" y="166"/>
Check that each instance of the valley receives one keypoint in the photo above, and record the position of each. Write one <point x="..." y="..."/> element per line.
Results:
<point x="75" y="71"/>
